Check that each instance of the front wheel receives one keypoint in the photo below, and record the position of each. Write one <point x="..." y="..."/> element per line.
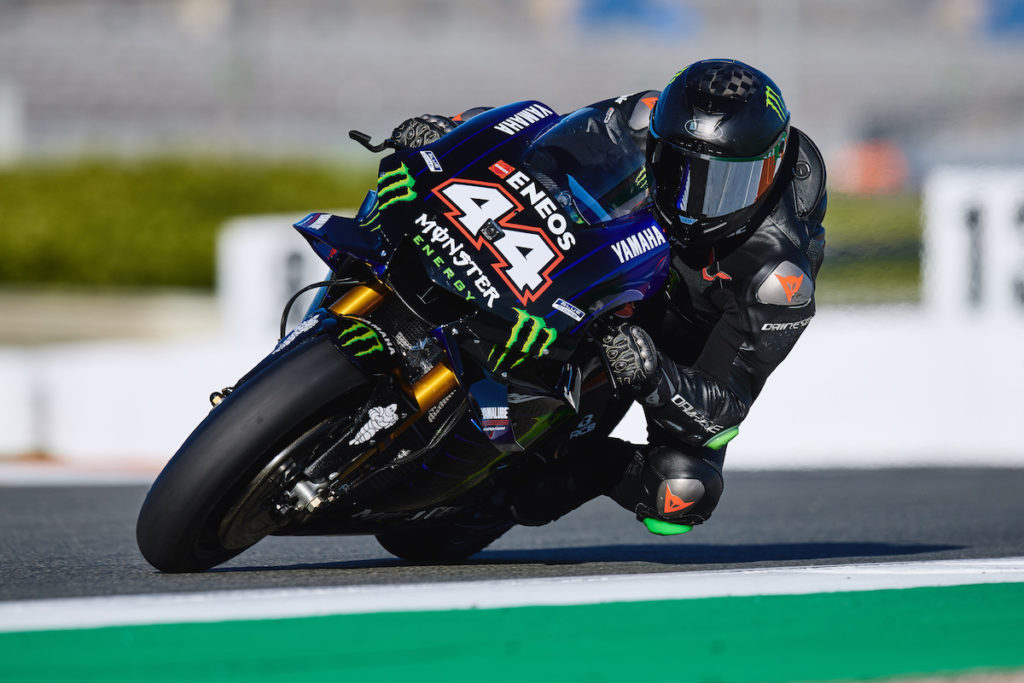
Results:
<point x="202" y="510"/>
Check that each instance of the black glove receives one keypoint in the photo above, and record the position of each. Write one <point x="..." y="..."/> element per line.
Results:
<point x="422" y="130"/>
<point x="632" y="359"/>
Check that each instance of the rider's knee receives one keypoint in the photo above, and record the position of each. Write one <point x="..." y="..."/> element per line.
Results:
<point x="680" y="486"/>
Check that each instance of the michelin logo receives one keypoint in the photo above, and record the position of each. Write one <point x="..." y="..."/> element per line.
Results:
<point x="638" y="244"/>
<point x="379" y="418"/>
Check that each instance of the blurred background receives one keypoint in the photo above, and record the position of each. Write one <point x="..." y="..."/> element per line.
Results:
<point x="133" y="131"/>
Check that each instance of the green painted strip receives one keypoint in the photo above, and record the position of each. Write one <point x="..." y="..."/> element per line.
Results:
<point x="818" y="637"/>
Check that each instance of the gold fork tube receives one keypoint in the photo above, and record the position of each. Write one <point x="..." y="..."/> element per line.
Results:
<point x="434" y="386"/>
<point x="359" y="300"/>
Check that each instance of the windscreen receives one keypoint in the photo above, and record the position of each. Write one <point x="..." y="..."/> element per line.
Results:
<point x="594" y="162"/>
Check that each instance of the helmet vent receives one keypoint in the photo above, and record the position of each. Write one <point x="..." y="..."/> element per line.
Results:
<point x="729" y="81"/>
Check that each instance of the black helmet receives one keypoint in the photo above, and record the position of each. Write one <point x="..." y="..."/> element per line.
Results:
<point x="716" y="140"/>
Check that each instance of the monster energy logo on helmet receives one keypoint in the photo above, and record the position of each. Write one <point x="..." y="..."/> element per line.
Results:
<point x="773" y="101"/>
<point x="360" y="334"/>
<point x="537" y="327"/>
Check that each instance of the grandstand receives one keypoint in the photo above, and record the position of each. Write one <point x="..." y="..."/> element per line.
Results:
<point x="135" y="77"/>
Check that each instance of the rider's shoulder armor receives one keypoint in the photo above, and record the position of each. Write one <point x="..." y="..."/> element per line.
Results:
<point x="639" y="107"/>
<point x="634" y="111"/>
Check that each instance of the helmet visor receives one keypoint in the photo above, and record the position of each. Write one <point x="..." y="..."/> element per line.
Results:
<point x="709" y="186"/>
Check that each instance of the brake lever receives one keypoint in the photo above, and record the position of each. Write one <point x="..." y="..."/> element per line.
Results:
<point x="364" y="140"/>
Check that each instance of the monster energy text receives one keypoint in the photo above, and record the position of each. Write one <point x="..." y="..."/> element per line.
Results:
<point x="442" y="247"/>
<point x="537" y="326"/>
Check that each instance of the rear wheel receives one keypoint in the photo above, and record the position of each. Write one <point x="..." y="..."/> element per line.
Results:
<point x="219" y="494"/>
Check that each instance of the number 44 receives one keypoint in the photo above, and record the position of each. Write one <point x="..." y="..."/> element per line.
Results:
<point x="526" y="255"/>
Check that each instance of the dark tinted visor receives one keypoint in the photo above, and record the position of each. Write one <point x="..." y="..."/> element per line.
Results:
<point x="704" y="186"/>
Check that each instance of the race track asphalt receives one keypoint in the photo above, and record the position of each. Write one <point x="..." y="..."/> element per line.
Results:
<point x="79" y="541"/>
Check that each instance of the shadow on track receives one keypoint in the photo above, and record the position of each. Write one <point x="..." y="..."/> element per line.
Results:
<point x="681" y="555"/>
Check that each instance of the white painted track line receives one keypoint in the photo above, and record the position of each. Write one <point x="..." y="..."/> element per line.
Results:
<point x="299" y="602"/>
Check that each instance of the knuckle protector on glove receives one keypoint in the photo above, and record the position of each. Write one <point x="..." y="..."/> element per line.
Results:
<point x="631" y="356"/>
<point x="422" y="130"/>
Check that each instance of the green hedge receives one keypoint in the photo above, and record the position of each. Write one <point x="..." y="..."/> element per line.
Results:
<point x="873" y="250"/>
<point x="153" y="223"/>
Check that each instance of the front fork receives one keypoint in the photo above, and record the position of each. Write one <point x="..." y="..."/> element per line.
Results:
<point x="429" y="389"/>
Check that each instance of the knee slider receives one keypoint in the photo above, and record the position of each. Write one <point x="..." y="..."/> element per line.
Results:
<point x="680" y="487"/>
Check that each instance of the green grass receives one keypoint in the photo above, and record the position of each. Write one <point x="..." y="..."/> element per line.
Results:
<point x="855" y="220"/>
<point x="153" y="223"/>
<point x="147" y="224"/>
<point x="873" y="250"/>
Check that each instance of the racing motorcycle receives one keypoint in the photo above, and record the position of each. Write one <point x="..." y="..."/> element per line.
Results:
<point x="456" y="334"/>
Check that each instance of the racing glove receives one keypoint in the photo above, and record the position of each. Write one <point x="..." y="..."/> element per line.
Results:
<point x="422" y="130"/>
<point x="631" y="359"/>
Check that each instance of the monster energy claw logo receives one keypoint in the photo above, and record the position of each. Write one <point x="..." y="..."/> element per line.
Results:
<point x="397" y="185"/>
<point x="394" y="186"/>
<point x="372" y="219"/>
<point x="358" y="333"/>
<point x="537" y="326"/>
<point x="774" y="101"/>
<point x="641" y="179"/>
